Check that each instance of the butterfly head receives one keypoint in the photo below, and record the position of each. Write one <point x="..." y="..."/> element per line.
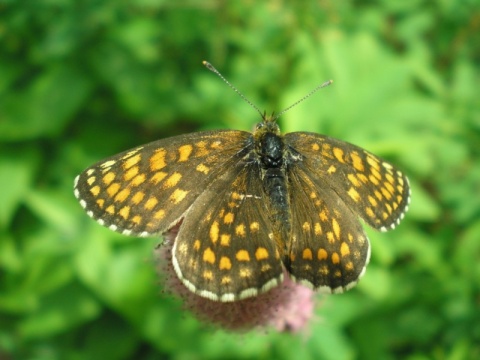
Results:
<point x="267" y="125"/>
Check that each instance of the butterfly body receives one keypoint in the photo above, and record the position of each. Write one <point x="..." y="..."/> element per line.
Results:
<point x="272" y="158"/>
<point x="251" y="206"/>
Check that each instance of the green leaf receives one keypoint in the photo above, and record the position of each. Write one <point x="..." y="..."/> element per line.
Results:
<point x="45" y="106"/>
<point x="17" y="171"/>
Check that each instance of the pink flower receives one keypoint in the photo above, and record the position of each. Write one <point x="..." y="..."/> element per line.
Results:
<point x="287" y="308"/>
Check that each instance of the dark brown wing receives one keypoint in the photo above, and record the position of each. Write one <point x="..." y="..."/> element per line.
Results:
<point x="328" y="249"/>
<point x="225" y="250"/>
<point x="146" y="190"/>
<point x="372" y="188"/>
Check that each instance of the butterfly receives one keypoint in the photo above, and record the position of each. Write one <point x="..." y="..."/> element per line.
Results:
<point x="250" y="206"/>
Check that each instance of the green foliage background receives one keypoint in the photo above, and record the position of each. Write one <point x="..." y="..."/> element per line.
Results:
<point x="82" y="80"/>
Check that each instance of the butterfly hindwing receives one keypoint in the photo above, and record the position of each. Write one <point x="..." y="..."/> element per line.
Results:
<point x="329" y="249"/>
<point x="145" y="190"/>
<point x="224" y="249"/>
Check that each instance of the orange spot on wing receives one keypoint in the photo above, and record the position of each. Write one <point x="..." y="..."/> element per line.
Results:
<point x="369" y="212"/>
<point x="245" y="273"/>
<point x="323" y="215"/>
<point x="390" y="178"/>
<point x="209" y="256"/>
<point x="225" y="240"/>
<point x="354" y="180"/>
<point x="354" y="194"/>
<point x="307" y="254"/>
<point x="322" y="254"/>
<point x="172" y="180"/>
<point x="131" y="161"/>
<point x="202" y="168"/>
<point x="338" y="153"/>
<point x="373" y="162"/>
<point x="242" y="255"/>
<point x="95" y="190"/>
<point x="184" y="152"/>
<point x="138" y="180"/>
<point x="332" y="169"/>
<point x="254" y="227"/>
<point x="228" y="218"/>
<point x="137" y="219"/>
<point x="335" y="258"/>
<point x="201" y="149"/>
<point x="131" y="173"/>
<point x="306" y="226"/>
<point x="261" y="253"/>
<point x="357" y="161"/>
<point x="138" y="197"/>
<point x="157" y="160"/>
<point x="225" y="263"/>
<point x="385" y="193"/>
<point x="108" y="178"/>
<point x="91" y="180"/>
<point x="122" y="195"/>
<point x="336" y="228"/>
<point x="113" y="189"/>
<point x="178" y="195"/>
<point x="150" y="203"/>
<point x="240" y="230"/>
<point x="330" y="237"/>
<point x="363" y="178"/>
<point x="389" y="187"/>
<point x="376" y="173"/>
<point x="344" y="249"/>
<point x="207" y="275"/>
<point x="196" y="245"/>
<point x="159" y="215"/>
<point x="214" y="232"/>
<point x="125" y="212"/>
<point x="373" y="180"/>
<point x="158" y="176"/>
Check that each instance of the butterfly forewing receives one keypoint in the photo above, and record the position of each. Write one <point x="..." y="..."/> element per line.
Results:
<point x="329" y="249"/>
<point x="146" y="190"/>
<point x="368" y="185"/>
<point x="224" y="250"/>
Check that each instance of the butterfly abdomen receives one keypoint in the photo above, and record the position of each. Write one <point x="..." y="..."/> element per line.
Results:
<point x="276" y="189"/>
<point x="272" y="163"/>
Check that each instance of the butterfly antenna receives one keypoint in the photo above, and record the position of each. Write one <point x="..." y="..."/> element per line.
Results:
<point x="212" y="68"/>
<point x="326" y="83"/>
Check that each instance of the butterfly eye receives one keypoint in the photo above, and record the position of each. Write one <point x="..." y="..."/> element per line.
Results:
<point x="260" y="125"/>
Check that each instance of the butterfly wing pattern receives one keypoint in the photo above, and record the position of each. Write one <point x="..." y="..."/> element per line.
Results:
<point x="224" y="249"/>
<point x="370" y="186"/>
<point x="329" y="249"/>
<point x="250" y="206"/>
<point x="146" y="191"/>
<point x="339" y="183"/>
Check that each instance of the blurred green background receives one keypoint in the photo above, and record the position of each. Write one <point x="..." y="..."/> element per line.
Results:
<point x="83" y="80"/>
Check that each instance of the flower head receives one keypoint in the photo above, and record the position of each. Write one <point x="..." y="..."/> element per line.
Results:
<point x="287" y="307"/>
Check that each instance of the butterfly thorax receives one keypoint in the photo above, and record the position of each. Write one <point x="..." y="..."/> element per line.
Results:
<point x="271" y="155"/>
<point x="269" y="145"/>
